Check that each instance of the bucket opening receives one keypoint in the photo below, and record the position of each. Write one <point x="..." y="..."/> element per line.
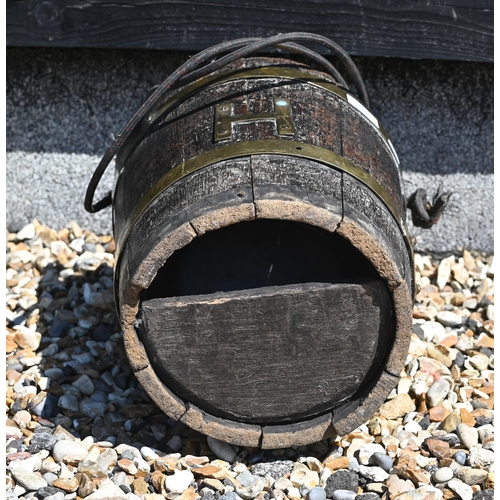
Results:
<point x="257" y="254"/>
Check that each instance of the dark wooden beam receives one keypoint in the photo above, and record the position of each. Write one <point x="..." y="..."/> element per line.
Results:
<point x="435" y="29"/>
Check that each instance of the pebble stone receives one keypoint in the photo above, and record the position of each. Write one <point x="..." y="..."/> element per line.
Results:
<point x="178" y="481"/>
<point x="468" y="436"/>
<point x="464" y="491"/>
<point x="29" y="480"/>
<point x="344" y="495"/>
<point x="481" y="457"/>
<point x="437" y="392"/>
<point x="65" y="449"/>
<point x="448" y="318"/>
<point x="75" y="412"/>
<point x="221" y="449"/>
<point x="375" y="474"/>
<point x="442" y="475"/>
<point x="383" y="460"/>
<point x="472" y="476"/>
<point x="84" y="385"/>
<point x="316" y="493"/>
<point x="460" y="457"/>
<point x="57" y="496"/>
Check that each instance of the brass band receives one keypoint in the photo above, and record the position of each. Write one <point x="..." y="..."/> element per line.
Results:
<point x="272" y="146"/>
<point x="232" y="75"/>
<point x="240" y="149"/>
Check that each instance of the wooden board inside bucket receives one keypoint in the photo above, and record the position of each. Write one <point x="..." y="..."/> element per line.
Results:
<point x="271" y="354"/>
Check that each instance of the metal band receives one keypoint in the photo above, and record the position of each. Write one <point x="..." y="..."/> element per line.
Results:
<point x="272" y="146"/>
<point x="252" y="73"/>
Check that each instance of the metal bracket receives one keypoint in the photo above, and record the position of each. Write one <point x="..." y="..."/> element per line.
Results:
<point x="224" y="118"/>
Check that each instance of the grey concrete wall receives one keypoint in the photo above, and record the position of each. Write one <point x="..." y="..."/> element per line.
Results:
<point x="63" y="104"/>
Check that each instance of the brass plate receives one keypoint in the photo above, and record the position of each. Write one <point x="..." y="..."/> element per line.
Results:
<point x="225" y="118"/>
<point x="272" y="146"/>
<point x="245" y="73"/>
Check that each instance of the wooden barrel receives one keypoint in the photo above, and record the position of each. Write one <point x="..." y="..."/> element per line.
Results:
<point x="264" y="276"/>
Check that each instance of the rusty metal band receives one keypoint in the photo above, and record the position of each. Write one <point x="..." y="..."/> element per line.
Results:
<point x="253" y="73"/>
<point x="271" y="146"/>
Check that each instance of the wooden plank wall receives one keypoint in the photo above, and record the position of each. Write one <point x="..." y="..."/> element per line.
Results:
<point x="433" y="29"/>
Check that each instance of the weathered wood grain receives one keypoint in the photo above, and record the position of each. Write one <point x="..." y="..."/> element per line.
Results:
<point x="367" y="220"/>
<point x="305" y="190"/>
<point x="252" y="265"/>
<point x="160" y="394"/>
<point x="310" y="431"/>
<point x="455" y="29"/>
<point x="233" y="432"/>
<point x="232" y="353"/>
<point x="221" y="186"/>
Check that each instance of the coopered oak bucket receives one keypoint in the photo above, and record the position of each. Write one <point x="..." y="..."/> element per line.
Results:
<point x="264" y="275"/>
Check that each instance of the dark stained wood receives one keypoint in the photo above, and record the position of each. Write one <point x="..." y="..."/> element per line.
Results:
<point x="278" y="178"/>
<point x="248" y="287"/>
<point x="309" y="431"/>
<point x="220" y="186"/>
<point x="231" y="432"/>
<point x="363" y="147"/>
<point x="455" y="29"/>
<point x="364" y="210"/>
<point x="189" y="129"/>
<point x="233" y="353"/>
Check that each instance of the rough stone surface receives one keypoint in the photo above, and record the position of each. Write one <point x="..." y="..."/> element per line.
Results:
<point x="120" y="448"/>
<point x="463" y="490"/>
<point x="341" y="480"/>
<point x="468" y="435"/>
<point x="397" y="407"/>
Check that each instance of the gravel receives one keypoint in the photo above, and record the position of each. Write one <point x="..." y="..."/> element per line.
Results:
<point x="78" y="425"/>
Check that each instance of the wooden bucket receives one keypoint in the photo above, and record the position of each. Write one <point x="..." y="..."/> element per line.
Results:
<point x="264" y="277"/>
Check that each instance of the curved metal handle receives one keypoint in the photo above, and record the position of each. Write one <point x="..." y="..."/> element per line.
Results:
<point x="188" y="71"/>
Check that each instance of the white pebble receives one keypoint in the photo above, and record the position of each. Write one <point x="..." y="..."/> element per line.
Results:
<point x="29" y="480"/>
<point x="71" y="450"/>
<point x="463" y="490"/>
<point x="443" y="474"/>
<point x="148" y="453"/>
<point x="367" y="450"/>
<point x="179" y="481"/>
<point x="26" y="233"/>
<point x="344" y="495"/>
<point x="376" y="474"/>
<point x="468" y="436"/>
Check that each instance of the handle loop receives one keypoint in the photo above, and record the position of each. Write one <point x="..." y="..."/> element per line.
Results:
<point x="189" y="72"/>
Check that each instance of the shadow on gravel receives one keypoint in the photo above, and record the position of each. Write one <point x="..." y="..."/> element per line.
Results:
<point x="78" y="377"/>
<point x="67" y="370"/>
